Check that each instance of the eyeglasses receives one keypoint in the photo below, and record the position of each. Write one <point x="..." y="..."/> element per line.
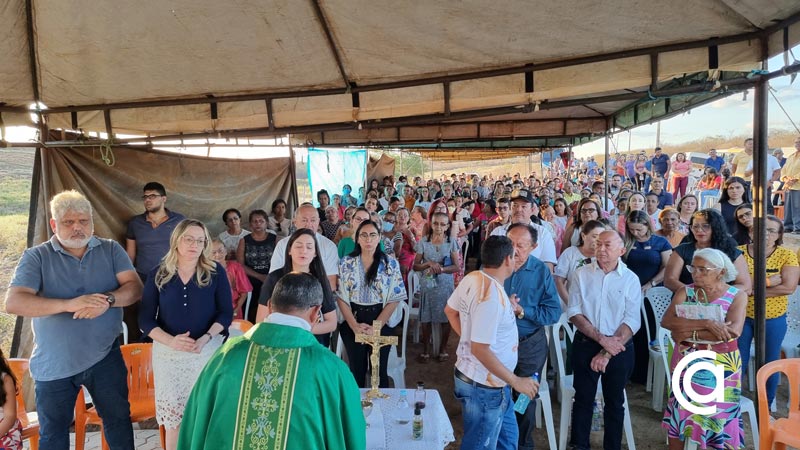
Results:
<point x="743" y="215"/>
<point x="701" y="227"/>
<point x="190" y="241"/>
<point x="700" y="269"/>
<point x="151" y="196"/>
<point x="588" y="210"/>
<point x="218" y="251"/>
<point x="368" y="236"/>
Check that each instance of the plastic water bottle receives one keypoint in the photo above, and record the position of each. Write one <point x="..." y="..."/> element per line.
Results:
<point x="403" y="409"/>
<point x="416" y="428"/>
<point x="521" y="405"/>
<point x="597" y="414"/>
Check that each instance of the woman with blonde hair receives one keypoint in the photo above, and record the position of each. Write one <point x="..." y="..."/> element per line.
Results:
<point x="186" y="306"/>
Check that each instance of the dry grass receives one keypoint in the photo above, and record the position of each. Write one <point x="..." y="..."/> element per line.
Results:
<point x="12" y="243"/>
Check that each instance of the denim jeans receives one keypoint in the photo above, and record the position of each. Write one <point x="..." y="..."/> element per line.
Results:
<point x="616" y="376"/>
<point x="107" y="382"/>
<point x="776" y="331"/>
<point x="489" y="420"/>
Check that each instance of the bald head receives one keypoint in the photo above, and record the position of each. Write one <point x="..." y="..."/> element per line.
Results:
<point x="306" y="217"/>
<point x="608" y="249"/>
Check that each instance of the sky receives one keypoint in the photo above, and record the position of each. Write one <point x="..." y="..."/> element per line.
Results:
<point x="730" y="116"/>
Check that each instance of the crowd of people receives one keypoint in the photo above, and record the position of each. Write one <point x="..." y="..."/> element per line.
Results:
<point x="561" y="243"/>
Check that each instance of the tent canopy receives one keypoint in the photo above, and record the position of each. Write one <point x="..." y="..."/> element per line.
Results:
<point x="365" y="72"/>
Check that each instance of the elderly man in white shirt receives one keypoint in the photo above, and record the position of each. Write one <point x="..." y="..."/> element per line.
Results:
<point x="521" y="211"/>
<point x="306" y="216"/>
<point x="604" y="305"/>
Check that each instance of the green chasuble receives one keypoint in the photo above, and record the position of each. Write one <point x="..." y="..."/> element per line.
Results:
<point x="277" y="388"/>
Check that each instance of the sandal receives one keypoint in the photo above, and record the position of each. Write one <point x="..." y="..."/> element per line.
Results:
<point x="423" y="358"/>
<point x="444" y="357"/>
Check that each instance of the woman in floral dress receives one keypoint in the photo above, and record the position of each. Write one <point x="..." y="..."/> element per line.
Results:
<point x="711" y="270"/>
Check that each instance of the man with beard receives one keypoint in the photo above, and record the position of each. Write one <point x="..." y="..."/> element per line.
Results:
<point x="147" y="241"/>
<point x="74" y="287"/>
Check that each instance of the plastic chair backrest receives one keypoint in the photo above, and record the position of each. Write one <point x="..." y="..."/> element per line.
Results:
<point x="241" y="325"/>
<point x="664" y="338"/>
<point x="139" y="362"/>
<point x="406" y="315"/>
<point x="413" y="284"/>
<point x="659" y="299"/>
<point x="789" y="367"/>
<point x="569" y="333"/>
<point x="19" y="366"/>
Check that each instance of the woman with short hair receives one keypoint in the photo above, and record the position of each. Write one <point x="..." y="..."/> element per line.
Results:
<point x="712" y="272"/>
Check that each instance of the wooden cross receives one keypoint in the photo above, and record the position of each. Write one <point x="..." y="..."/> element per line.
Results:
<point x="376" y="341"/>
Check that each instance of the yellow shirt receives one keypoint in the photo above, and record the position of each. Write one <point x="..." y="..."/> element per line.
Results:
<point x="782" y="256"/>
<point x="741" y="160"/>
<point x="792" y="170"/>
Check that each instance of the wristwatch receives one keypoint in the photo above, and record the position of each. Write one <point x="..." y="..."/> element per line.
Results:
<point x="521" y="314"/>
<point x="110" y="299"/>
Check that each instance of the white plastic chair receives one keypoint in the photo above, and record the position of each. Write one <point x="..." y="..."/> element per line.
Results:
<point x="545" y="404"/>
<point x="746" y="405"/>
<point x="124" y="333"/>
<point x="568" y="391"/>
<point x="659" y="299"/>
<point x="396" y="367"/>
<point x="792" y="338"/>
<point x="247" y="305"/>
<point x="413" y="289"/>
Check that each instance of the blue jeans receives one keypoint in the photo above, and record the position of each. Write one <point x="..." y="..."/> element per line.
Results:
<point x="618" y="372"/>
<point x="489" y="420"/>
<point x="776" y="330"/>
<point x="107" y="382"/>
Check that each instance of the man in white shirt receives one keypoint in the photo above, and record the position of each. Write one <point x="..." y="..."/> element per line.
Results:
<point x="306" y="217"/>
<point x="483" y="316"/>
<point x="773" y="175"/>
<point x="521" y="211"/>
<point x="604" y="305"/>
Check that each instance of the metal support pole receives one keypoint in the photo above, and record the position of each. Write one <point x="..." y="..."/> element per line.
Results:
<point x="607" y="155"/>
<point x="760" y="180"/>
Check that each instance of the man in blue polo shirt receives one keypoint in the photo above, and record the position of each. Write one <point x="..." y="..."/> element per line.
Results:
<point x="74" y="287"/>
<point x="147" y="241"/>
<point x="661" y="164"/>
<point x="532" y="285"/>
<point x="714" y="161"/>
<point x="657" y="189"/>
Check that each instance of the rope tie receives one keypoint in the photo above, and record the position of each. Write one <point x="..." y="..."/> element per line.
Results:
<point x="107" y="153"/>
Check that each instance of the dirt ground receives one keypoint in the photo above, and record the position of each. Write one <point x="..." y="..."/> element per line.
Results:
<point x="646" y="422"/>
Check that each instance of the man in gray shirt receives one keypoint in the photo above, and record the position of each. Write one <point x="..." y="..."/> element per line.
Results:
<point x="74" y="287"/>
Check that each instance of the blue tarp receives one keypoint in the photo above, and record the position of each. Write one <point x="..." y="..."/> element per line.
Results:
<point x="330" y="169"/>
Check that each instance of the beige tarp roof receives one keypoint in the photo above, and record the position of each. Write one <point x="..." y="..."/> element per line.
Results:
<point x="371" y="71"/>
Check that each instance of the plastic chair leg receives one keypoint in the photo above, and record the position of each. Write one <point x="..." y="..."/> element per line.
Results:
<point x="436" y="337"/>
<point x="566" y="417"/>
<point x="749" y="408"/>
<point x="649" y="383"/>
<point x="627" y="424"/>
<point x="659" y="380"/>
<point x="545" y="406"/>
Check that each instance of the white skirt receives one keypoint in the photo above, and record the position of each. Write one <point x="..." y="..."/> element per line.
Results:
<point x="174" y="375"/>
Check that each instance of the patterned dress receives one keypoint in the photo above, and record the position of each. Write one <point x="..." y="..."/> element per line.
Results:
<point x="435" y="289"/>
<point x="724" y="429"/>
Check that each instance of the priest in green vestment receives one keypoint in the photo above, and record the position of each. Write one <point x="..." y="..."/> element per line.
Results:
<point x="276" y="387"/>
